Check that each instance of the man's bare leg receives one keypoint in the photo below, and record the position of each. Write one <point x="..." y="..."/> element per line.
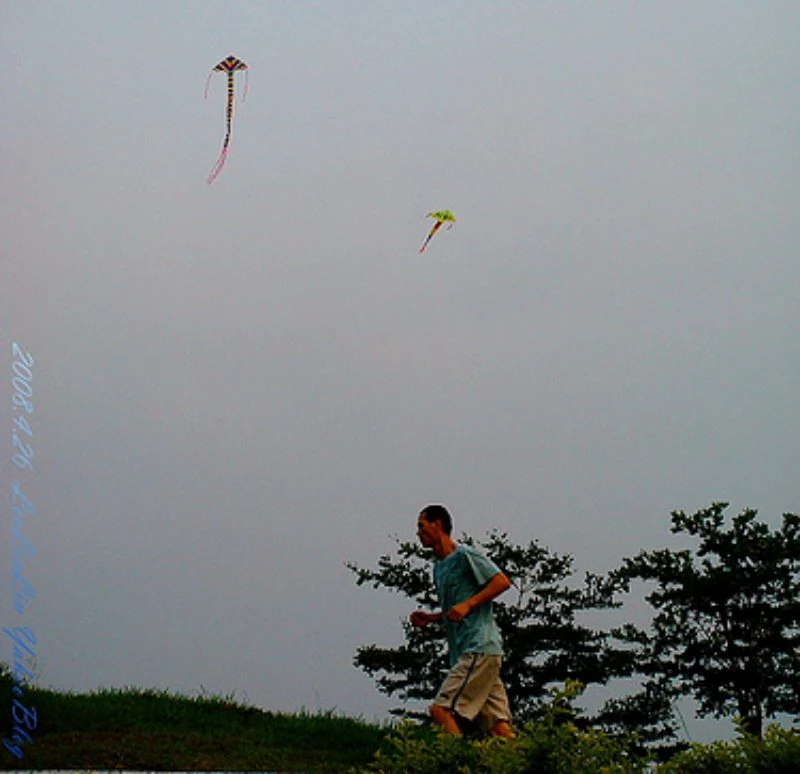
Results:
<point x="444" y="718"/>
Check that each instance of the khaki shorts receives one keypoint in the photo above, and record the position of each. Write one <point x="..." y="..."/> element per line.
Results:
<point x="472" y="689"/>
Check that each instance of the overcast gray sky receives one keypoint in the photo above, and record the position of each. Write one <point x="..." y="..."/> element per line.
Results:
<point x="239" y="387"/>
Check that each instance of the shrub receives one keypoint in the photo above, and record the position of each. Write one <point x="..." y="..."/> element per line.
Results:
<point x="553" y="746"/>
<point x="777" y="753"/>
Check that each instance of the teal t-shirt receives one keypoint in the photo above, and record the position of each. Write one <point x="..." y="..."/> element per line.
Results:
<point x="458" y="577"/>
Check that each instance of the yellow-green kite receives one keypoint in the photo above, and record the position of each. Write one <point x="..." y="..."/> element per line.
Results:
<point x="441" y="217"/>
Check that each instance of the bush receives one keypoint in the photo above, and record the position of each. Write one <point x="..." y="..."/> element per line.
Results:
<point x="537" y="748"/>
<point x="556" y="745"/>
<point x="777" y="753"/>
<point x="553" y="746"/>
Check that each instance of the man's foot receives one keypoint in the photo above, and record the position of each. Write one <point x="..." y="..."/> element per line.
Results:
<point x="445" y="719"/>
<point x="503" y="728"/>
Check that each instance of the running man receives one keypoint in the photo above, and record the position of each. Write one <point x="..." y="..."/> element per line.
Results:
<point x="466" y="583"/>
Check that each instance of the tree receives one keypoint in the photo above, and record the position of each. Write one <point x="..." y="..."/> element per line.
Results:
<point x="545" y="642"/>
<point x="727" y="624"/>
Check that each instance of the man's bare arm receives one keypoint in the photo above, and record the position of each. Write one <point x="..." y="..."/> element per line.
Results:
<point x="496" y="586"/>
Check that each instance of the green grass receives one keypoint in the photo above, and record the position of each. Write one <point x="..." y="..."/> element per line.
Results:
<point x="133" y="728"/>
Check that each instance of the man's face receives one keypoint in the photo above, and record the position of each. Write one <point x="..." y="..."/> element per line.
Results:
<point x="427" y="531"/>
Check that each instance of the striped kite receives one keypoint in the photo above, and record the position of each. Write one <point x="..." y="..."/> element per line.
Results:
<point x="228" y="65"/>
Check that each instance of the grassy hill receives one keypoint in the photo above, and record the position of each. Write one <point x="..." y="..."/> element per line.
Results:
<point x="152" y="730"/>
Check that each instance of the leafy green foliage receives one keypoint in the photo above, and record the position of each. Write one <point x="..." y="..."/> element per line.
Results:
<point x="554" y="745"/>
<point x="727" y="623"/>
<point x="777" y="753"/>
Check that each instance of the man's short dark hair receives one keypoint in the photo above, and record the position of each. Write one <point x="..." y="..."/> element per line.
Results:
<point x="441" y="514"/>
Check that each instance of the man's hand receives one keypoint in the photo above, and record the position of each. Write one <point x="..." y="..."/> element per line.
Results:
<point x="497" y="585"/>
<point x="459" y="611"/>
<point x="421" y="618"/>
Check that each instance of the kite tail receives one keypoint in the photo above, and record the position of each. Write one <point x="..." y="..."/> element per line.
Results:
<point x="223" y="157"/>
<point x="430" y="236"/>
